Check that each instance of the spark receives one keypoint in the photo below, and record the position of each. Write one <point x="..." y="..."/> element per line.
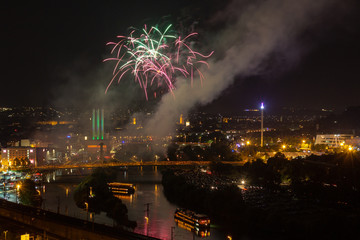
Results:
<point x="158" y="57"/>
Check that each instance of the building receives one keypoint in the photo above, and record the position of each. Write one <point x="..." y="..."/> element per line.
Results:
<point x="48" y="155"/>
<point x="97" y="146"/>
<point x="9" y="154"/>
<point x="355" y="142"/>
<point x="181" y="120"/>
<point x="97" y="121"/>
<point x="333" y="140"/>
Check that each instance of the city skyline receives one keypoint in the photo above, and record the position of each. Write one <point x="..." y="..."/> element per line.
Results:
<point x="233" y="119"/>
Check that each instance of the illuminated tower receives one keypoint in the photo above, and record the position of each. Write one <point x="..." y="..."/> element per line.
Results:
<point x="262" y="124"/>
<point x="181" y="122"/>
<point x="97" y="124"/>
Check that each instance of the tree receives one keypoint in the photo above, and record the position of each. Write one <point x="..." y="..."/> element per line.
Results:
<point x="277" y="162"/>
<point x="319" y="147"/>
<point x="28" y="194"/>
<point x="171" y="151"/>
<point x="220" y="151"/>
<point x="221" y="168"/>
<point x="16" y="162"/>
<point x="262" y="174"/>
<point x="24" y="161"/>
<point x="102" y="199"/>
<point x="188" y="153"/>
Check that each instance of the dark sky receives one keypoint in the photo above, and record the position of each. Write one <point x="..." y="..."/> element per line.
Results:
<point x="52" y="52"/>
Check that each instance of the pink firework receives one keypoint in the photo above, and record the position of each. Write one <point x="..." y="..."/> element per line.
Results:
<point x="155" y="58"/>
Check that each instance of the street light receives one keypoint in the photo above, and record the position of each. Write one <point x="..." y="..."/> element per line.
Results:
<point x="17" y="190"/>
<point x="5" y="232"/>
<point x="87" y="211"/>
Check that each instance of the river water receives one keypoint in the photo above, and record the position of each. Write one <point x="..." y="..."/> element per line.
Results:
<point x="148" y="200"/>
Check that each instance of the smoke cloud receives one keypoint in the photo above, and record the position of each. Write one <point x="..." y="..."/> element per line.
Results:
<point x="252" y="31"/>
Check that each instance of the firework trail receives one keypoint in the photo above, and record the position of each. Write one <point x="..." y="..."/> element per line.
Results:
<point x="155" y="57"/>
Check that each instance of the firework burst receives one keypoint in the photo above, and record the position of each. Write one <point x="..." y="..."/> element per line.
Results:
<point x="155" y="57"/>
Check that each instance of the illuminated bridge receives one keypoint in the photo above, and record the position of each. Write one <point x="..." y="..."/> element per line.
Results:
<point x="127" y="164"/>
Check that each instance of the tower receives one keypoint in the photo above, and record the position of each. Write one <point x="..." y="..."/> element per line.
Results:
<point x="262" y="124"/>
<point x="181" y="122"/>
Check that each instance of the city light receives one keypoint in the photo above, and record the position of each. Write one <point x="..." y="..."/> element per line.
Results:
<point x="195" y="145"/>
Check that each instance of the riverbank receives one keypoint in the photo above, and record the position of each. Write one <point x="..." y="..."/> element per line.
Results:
<point x="276" y="214"/>
<point x="58" y="193"/>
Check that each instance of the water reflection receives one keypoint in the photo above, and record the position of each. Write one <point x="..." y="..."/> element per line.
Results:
<point x="147" y="206"/>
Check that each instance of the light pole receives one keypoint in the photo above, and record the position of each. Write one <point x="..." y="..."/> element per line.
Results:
<point x="17" y="191"/>
<point x="5" y="232"/>
<point x="93" y="220"/>
<point x="87" y="211"/>
<point x="262" y="124"/>
<point x="172" y="233"/>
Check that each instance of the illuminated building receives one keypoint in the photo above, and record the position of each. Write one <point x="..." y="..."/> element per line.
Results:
<point x="97" y="124"/>
<point x="97" y="146"/>
<point x="11" y="153"/>
<point x="47" y="155"/>
<point x="181" y="122"/>
<point x="53" y="123"/>
<point x="332" y="140"/>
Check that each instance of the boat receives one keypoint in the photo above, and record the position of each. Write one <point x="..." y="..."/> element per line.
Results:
<point x="121" y="189"/>
<point x="194" y="222"/>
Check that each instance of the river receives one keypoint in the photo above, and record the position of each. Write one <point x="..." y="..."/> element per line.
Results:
<point x="59" y="186"/>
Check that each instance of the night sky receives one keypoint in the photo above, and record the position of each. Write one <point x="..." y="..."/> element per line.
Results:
<point x="52" y="52"/>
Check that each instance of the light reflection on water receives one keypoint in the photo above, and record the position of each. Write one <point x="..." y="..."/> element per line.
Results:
<point x="149" y="191"/>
